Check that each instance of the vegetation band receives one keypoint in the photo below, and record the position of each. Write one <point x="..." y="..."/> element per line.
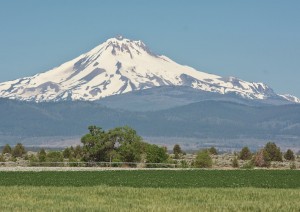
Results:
<point x="157" y="178"/>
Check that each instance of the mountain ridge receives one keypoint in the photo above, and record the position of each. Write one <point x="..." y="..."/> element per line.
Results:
<point x="206" y="120"/>
<point x="120" y="65"/>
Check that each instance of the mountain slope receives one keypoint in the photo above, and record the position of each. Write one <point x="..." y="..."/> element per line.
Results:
<point x="165" y="97"/>
<point x="121" y="65"/>
<point x="214" y="120"/>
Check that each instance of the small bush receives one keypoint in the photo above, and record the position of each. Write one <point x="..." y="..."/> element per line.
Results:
<point x="53" y="158"/>
<point x="262" y="159"/>
<point x="213" y="151"/>
<point x="245" y="154"/>
<point x="6" y="149"/>
<point x="2" y="159"/>
<point x="42" y="155"/>
<point x="184" y="164"/>
<point x="235" y="163"/>
<point x="248" y="165"/>
<point x="33" y="160"/>
<point x="289" y="155"/>
<point x="203" y="160"/>
<point x="19" y="150"/>
<point x="293" y="166"/>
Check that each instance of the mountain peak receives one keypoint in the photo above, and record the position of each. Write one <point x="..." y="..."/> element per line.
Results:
<point x="121" y="65"/>
<point x="119" y="37"/>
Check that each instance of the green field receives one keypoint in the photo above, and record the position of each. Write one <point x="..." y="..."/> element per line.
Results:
<point x="194" y="190"/>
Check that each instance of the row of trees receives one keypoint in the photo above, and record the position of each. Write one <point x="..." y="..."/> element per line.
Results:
<point x="264" y="157"/>
<point x="17" y="151"/>
<point x="123" y="144"/>
<point x="120" y="144"/>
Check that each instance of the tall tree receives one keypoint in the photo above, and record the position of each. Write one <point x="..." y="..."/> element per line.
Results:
<point x="273" y="151"/>
<point x="42" y="155"/>
<point x="6" y="149"/>
<point x="245" y="154"/>
<point x="18" y="150"/>
<point x="177" y="151"/>
<point x="98" y="144"/>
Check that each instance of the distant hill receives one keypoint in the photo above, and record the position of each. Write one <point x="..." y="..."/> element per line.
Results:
<point x="165" y="97"/>
<point x="202" y="120"/>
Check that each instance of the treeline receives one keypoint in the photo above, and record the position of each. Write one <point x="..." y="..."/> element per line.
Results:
<point x="262" y="158"/>
<point x="123" y="144"/>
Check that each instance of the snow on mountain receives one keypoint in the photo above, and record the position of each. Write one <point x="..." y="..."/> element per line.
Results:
<point x="290" y="98"/>
<point x="120" y="65"/>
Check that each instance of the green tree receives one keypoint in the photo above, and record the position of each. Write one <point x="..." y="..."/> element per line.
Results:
<point x="18" y="150"/>
<point x="98" y="144"/>
<point x="131" y="151"/>
<point x="177" y="151"/>
<point x="245" y="154"/>
<point x="67" y="153"/>
<point x="213" y="151"/>
<point x="155" y="154"/>
<point x="95" y="145"/>
<point x="54" y="156"/>
<point x="33" y="160"/>
<point x="203" y="159"/>
<point x="273" y="151"/>
<point x="77" y="152"/>
<point x="42" y="155"/>
<point x="6" y="149"/>
<point x="289" y="155"/>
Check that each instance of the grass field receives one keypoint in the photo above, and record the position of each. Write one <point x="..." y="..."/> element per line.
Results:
<point x="195" y="190"/>
<point x="158" y="178"/>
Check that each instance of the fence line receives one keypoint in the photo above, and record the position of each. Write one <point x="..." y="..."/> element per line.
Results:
<point x="89" y="164"/>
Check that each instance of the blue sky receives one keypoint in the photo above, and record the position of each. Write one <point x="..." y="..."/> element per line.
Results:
<point x="257" y="40"/>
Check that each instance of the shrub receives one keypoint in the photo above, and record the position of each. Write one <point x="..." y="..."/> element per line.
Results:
<point x="2" y="159"/>
<point x="289" y="155"/>
<point x="19" y="150"/>
<point x="235" y="163"/>
<point x="273" y="151"/>
<point x="54" y="157"/>
<point x="203" y="159"/>
<point x="6" y="149"/>
<point x="67" y="153"/>
<point x="262" y="159"/>
<point x="42" y="155"/>
<point x="155" y="154"/>
<point x="245" y="154"/>
<point x="184" y="164"/>
<point x="293" y="165"/>
<point x="33" y="160"/>
<point x="78" y="152"/>
<point x="213" y="151"/>
<point x="248" y="165"/>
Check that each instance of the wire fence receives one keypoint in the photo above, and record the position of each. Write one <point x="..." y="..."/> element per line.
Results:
<point x="88" y="164"/>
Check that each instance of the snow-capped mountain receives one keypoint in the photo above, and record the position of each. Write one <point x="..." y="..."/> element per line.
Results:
<point x="121" y="65"/>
